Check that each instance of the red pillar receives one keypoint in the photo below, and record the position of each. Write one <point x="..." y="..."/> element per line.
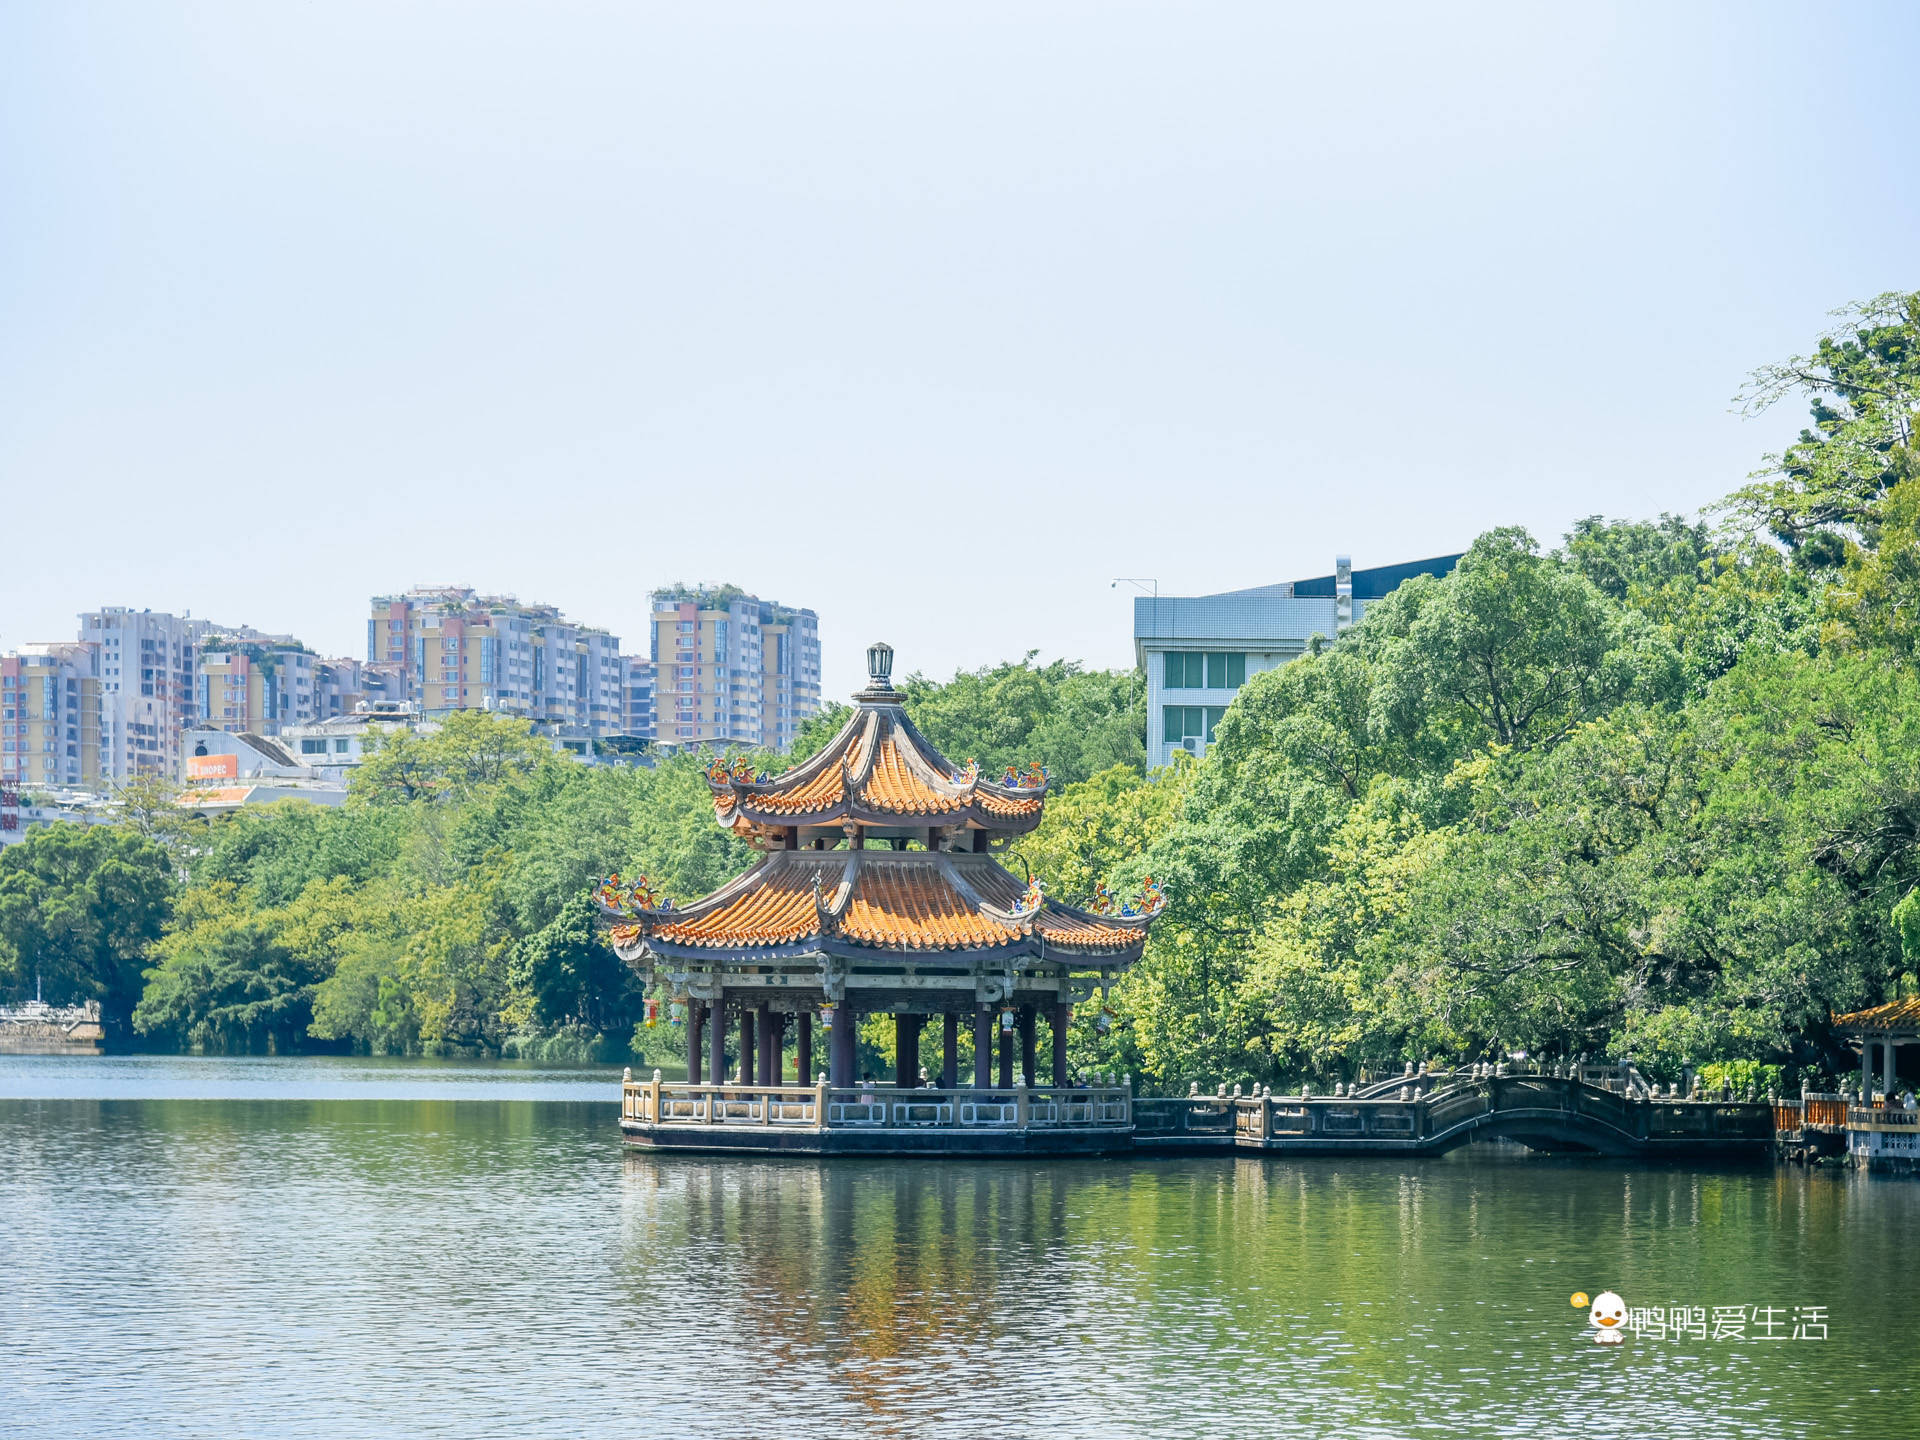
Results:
<point x="768" y="1070"/>
<point x="906" y="1051"/>
<point x="843" y="1052"/>
<point x="982" y="1047"/>
<point x="717" y="1038"/>
<point x="949" y="1050"/>
<point x="1006" y="1054"/>
<point x="1028" y="1035"/>
<point x="747" y="1046"/>
<point x="695" y="1015"/>
<point x="803" y="1047"/>
<point x="1062" y="1017"/>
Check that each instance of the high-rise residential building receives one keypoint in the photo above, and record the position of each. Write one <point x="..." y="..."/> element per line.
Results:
<point x="250" y="683"/>
<point x="457" y="649"/>
<point x="637" y="688"/>
<point x="50" y="709"/>
<point x="732" y="669"/>
<point x="148" y="664"/>
<point x="1198" y="650"/>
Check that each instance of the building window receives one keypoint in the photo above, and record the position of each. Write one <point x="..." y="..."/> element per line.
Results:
<point x="1226" y="671"/>
<point x="1205" y="670"/>
<point x="1190" y="723"/>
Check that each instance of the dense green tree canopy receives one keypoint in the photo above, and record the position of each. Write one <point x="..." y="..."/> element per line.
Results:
<point x="1655" y="793"/>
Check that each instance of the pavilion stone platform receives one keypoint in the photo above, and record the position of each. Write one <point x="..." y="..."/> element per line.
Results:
<point x="877" y="893"/>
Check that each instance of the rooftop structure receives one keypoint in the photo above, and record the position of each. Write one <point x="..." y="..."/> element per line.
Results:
<point x="879" y="893"/>
<point x="1198" y="650"/>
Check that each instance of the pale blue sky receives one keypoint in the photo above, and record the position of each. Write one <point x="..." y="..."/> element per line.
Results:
<point x="935" y="319"/>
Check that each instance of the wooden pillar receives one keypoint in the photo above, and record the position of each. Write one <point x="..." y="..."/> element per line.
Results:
<point x="1886" y="1068"/>
<point x="773" y="1036"/>
<point x="803" y="1047"/>
<point x="1062" y="1017"/>
<point x="982" y="1047"/>
<point x="1866" y="1071"/>
<point x="906" y="1051"/>
<point x="843" y="1052"/>
<point x="1006" y="1055"/>
<point x="747" y="1044"/>
<point x="949" y="1050"/>
<point x="717" y="1038"/>
<point x="696" y="1015"/>
<point x="1028" y="1035"/>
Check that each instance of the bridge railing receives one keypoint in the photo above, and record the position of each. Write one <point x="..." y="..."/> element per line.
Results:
<point x="661" y="1102"/>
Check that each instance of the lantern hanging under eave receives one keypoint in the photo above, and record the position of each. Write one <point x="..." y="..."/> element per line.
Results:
<point x="826" y="1017"/>
<point x="653" y="1013"/>
<point x="677" y="1013"/>
<point x="1006" y="1021"/>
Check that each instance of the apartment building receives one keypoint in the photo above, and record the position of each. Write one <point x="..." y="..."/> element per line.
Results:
<point x="731" y="668"/>
<point x="148" y="669"/>
<point x="1198" y="650"/>
<point x="249" y="683"/>
<point x="636" y="681"/>
<point x="50" y="712"/>
<point x="457" y="649"/>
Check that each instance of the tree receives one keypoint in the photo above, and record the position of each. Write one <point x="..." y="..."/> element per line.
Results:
<point x="1862" y="384"/>
<point x="470" y="750"/>
<point x="1513" y="648"/>
<point x="79" y="904"/>
<point x="1074" y="721"/>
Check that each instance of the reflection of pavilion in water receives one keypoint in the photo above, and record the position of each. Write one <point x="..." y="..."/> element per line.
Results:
<point x="879" y="1274"/>
<point x="878" y="893"/>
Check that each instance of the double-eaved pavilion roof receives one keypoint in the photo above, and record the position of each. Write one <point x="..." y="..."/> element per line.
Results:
<point x="927" y="903"/>
<point x="880" y="782"/>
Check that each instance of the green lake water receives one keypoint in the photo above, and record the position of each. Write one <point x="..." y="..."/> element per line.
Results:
<point x="345" y="1248"/>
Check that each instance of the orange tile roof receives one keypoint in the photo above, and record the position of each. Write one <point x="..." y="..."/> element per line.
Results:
<point x="776" y="910"/>
<point x="914" y="906"/>
<point x="1894" y="1015"/>
<point x="890" y="900"/>
<point x="879" y="770"/>
<point x="894" y="784"/>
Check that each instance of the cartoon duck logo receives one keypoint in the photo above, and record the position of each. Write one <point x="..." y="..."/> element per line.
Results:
<point x="1607" y="1315"/>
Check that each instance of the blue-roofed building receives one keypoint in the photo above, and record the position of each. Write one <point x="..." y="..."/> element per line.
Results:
<point x="1198" y="650"/>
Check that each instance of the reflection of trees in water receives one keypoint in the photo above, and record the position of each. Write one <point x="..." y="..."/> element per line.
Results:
<point x="879" y="1271"/>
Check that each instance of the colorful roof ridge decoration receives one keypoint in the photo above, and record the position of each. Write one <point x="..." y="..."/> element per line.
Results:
<point x="878" y="771"/>
<point x="1151" y="902"/>
<point x="925" y="901"/>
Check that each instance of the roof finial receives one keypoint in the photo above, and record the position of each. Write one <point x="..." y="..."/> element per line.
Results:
<point x="880" y="666"/>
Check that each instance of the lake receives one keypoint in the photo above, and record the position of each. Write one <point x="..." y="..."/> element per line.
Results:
<point x="351" y="1247"/>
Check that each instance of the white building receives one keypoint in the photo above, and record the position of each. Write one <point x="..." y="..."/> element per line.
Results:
<point x="335" y="747"/>
<point x="148" y="668"/>
<point x="1198" y="650"/>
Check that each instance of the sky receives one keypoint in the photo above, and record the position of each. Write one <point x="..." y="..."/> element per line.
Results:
<point x="936" y="319"/>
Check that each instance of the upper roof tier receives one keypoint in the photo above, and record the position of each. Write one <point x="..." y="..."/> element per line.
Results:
<point x="879" y="772"/>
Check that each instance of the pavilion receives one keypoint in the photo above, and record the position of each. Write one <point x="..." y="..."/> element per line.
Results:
<point x="878" y="892"/>
<point x="1888" y="1026"/>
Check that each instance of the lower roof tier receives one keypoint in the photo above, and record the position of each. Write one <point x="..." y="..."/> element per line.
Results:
<point x="913" y="902"/>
